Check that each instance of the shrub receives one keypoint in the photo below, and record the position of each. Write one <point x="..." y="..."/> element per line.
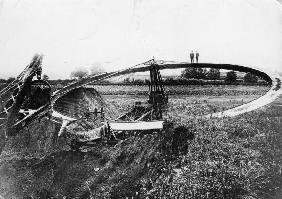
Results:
<point x="231" y="77"/>
<point x="250" y="78"/>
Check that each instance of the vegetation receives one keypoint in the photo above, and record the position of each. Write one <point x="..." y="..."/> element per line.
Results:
<point x="194" y="73"/>
<point x="201" y="73"/>
<point x="231" y="77"/>
<point x="79" y="73"/>
<point x="45" y="77"/>
<point x="190" y="76"/>
<point x="129" y="81"/>
<point x="213" y="74"/>
<point x="250" y="78"/>
<point x="10" y="79"/>
<point x="216" y="158"/>
<point x="96" y="68"/>
<point x="192" y="158"/>
<point x="192" y="90"/>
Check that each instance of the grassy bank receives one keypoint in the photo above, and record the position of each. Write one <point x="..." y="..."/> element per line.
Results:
<point x="237" y="157"/>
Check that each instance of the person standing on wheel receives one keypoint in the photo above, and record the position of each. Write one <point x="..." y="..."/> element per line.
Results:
<point x="192" y="56"/>
<point x="197" y="56"/>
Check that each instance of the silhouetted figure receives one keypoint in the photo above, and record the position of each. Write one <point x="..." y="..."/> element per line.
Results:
<point x="192" y="56"/>
<point x="197" y="56"/>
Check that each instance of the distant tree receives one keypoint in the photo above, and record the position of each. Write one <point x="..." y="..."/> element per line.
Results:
<point x="45" y="77"/>
<point x="10" y="79"/>
<point x="189" y="73"/>
<point x="201" y="73"/>
<point x="79" y="73"/>
<point x="231" y="77"/>
<point x="147" y="82"/>
<point x="138" y="82"/>
<point x="96" y="68"/>
<point x="205" y="72"/>
<point x="250" y="78"/>
<point x="213" y="74"/>
<point x="169" y="81"/>
<point x="194" y="73"/>
<point x="126" y="80"/>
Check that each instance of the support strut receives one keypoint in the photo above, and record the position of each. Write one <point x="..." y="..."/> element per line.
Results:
<point x="157" y="95"/>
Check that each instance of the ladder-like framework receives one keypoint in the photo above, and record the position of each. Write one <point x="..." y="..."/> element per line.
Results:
<point x="157" y="96"/>
<point x="17" y="96"/>
<point x="156" y="87"/>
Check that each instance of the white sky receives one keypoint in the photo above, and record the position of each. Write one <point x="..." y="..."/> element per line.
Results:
<point x="118" y="34"/>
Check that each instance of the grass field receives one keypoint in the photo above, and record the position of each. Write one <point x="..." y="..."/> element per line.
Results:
<point x="179" y="107"/>
<point x="221" y="90"/>
<point x="237" y="157"/>
<point x="184" y="101"/>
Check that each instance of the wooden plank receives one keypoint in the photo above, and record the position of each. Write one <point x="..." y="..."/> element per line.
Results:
<point x="136" y="126"/>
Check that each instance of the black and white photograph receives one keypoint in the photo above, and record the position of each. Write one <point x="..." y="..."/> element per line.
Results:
<point x="140" y="99"/>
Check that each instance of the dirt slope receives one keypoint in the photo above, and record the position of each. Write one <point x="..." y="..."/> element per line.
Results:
<point x="47" y="167"/>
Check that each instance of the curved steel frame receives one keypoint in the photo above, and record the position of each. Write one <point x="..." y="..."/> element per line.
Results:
<point x="162" y="65"/>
